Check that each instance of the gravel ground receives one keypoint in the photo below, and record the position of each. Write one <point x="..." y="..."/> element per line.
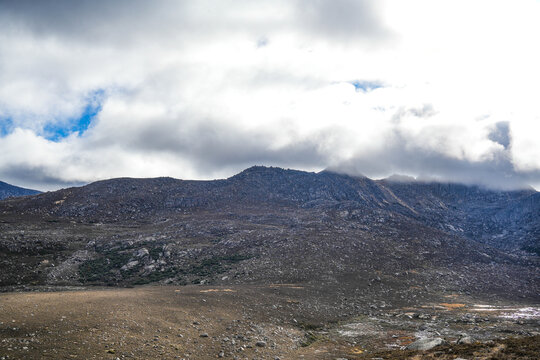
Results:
<point x="248" y="322"/>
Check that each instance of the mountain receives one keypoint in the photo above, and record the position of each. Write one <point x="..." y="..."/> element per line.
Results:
<point x="504" y="219"/>
<point x="345" y="236"/>
<point x="7" y="190"/>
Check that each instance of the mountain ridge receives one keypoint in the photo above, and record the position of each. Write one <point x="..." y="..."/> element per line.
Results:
<point x="439" y="204"/>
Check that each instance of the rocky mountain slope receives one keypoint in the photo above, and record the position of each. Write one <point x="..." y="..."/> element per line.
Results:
<point x="504" y="219"/>
<point x="7" y="190"/>
<point x="352" y="238"/>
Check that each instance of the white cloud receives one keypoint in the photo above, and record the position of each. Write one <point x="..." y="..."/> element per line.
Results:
<point x="198" y="89"/>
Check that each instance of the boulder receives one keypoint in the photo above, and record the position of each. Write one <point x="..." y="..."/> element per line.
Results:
<point x="142" y="252"/>
<point x="425" y="344"/>
<point x="130" y="265"/>
<point x="465" y="340"/>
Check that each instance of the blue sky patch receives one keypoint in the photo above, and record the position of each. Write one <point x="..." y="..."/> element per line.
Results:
<point x="366" y="86"/>
<point x="6" y="126"/>
<point x="79" y="125"/>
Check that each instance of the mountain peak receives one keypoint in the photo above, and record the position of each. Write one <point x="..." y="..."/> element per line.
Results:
<point x="400" y="178"/>
<point x="266" y="170"/>
<point x="344" y="172"/>
<point x="260" y="168"/>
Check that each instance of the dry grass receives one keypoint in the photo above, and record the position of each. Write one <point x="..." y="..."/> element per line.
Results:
<point x="452" y="306"/>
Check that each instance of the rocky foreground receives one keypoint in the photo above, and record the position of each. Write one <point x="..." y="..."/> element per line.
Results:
<point x="275" y="321"/>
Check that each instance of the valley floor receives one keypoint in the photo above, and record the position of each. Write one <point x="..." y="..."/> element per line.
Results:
<point x="274" y="321"/>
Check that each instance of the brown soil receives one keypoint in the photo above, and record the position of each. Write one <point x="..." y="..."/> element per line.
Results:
<point x="449" y="306"/>
<point x="140" y="323"/>
<point x="199" y="322"/>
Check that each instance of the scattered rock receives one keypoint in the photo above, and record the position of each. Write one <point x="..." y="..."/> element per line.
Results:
<point x="130" y="265"/>
<point x="425" y="344"/>
<point x="142" y="253"/>
<point x="465" y="340"/>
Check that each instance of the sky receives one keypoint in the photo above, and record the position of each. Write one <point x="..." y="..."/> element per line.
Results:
<point x="96" y="89"/>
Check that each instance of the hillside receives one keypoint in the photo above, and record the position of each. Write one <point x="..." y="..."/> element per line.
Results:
<point x="276" y="225"/>
<point x="7" y="190"/>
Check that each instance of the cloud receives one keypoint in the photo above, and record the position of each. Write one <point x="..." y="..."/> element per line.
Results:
<point x="347" y="20"/>
<point x="404" y="155"/>
<point x="199" y="89"/>
<point x="501" y="133"/>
